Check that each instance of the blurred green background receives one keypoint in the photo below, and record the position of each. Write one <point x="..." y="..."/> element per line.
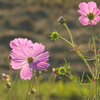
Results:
<point x="35" y="19"/>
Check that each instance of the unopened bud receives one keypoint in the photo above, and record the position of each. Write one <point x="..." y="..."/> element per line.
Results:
<point x="54" y="70"/>
<point x="5" y="77"/>
<point x="8" y="85"/>
<point x="61" y="20"/>
<point x="33" y="91"/>
<point x="54" y="35"/>
<point x="62" y="71"/>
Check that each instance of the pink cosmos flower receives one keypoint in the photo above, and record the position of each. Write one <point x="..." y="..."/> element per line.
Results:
<point x="90" y="13"/>
<point x="28" y="58"/>
<point x="14" y="44"/>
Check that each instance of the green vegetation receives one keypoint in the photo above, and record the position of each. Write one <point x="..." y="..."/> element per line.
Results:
<point x="60" y="91"/>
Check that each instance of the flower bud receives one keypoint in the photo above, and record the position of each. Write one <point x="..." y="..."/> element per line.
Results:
<point x="33" y="91"/>
<point x="54" y="35"/>
<point x="54" y="70"/>
<point x="8" y="85"/>
<point x="61" y="20"/>
<point x="5" y="77"/>
<point x="62" y="71"/>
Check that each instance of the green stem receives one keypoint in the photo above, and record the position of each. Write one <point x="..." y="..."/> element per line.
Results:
<point x="96" y="89"/>
<point x="93" y="41"/>
<point x="13" y="84"/>
<point x="11" y="80"/>
<point x="78" y="85"/>
<point x="80" y="54"/>
<point x="99" y="60"/>
<point x="96" y="67"/>
<point x="69" y="34"/>
<point x="22" y="81"/>
<point x="28" y="90"/>
<point x="94" y="49"/>
<point x="31" y="86"/>
<point x="51" y="87"/>
<point x="66" y="41"/>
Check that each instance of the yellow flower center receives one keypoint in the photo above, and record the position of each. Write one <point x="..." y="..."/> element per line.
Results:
<point x="90" y="16"/>
<point x="29" y="59"/>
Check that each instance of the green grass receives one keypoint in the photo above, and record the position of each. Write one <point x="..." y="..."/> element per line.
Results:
<point x="60" y="90"/>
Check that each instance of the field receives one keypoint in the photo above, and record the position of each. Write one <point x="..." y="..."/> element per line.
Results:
<point x="35" y="20"/>
<point x="61" y="90"/>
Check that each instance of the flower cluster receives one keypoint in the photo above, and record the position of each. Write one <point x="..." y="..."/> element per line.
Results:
<point x="28" y="56"/>
<point x="90" y="13"/>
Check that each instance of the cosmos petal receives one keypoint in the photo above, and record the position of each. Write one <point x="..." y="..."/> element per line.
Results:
<point x="14" y="44"/>
<point x="42" y="56"/>
<point x="17" y="64"/>
<point x="84" y="7"/>
<point x="97" y="19"/>
<point x="17" y="54"/>
<point x="42" y="65"/>
<point x="91" y="6"/>
<point x="26" y="73"/>
<point x="38" y="49"/>
<point x="85" y="21"/>
<point x="82" y="13"/>
<point x="96" y="12"/>
<point x="26" y="50"/>
<point x="33" y="65"/>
